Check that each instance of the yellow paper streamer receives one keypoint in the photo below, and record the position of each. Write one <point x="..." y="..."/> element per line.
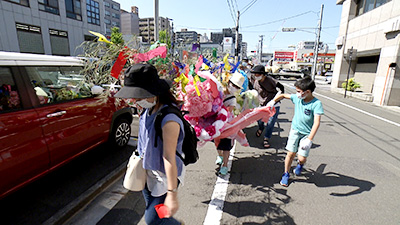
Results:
<point x="226" y="62"/>
<point x="101" y="37"/>
<point x="195" y="80"/>
<point x="184" y="81"/>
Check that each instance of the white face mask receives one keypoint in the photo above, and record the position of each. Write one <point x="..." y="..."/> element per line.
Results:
<point x="257" y="77"/>
<point x="232" y="89"/>
<point x="299" y="95"/>
<point x="145" y="104"/>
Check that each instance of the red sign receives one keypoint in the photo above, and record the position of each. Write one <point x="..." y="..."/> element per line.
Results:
<point x="284" y="56"/>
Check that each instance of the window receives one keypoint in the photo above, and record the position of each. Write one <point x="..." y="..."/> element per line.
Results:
<point x="9" y="97"/>
<point x="29" y="38"/>
<point x="368" y="59"/>
<point x="21" y="2"/>
<point x="59" y="42"/>
<point x="107" y="4"/>
<point x="93" y="11"/>
<point x="115" y="24"/>
<point x="364" y="6"/>
<point x="73" y="9"/>
<point x="107" y="13"/>
<point x="89" y="37"/>
<point x="50" y="6"/>
<point x="114" y="15"/>
<point x="57" y="84"/>
<point x="116" y="7"/>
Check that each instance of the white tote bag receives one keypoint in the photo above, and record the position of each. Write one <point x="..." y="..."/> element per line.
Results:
<point x="135" y="177"/>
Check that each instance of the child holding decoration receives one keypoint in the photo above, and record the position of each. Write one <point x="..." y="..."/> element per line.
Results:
<point x="305" y="123"/>
<point x="225" y="144"/>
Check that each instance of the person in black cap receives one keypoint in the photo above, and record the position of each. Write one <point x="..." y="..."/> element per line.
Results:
<point x="266" y="87"/>
<point x="165" y="170"/>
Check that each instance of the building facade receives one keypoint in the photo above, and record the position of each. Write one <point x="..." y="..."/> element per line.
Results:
<point x="371" y="28"/>
<point x="146" y="28"/>
<point x="186" y="37"/>
<point x="112" y="16"/>
<point x="51" y="28"/>
<point x="130" y="21"/>
<point x="220" y="38"/>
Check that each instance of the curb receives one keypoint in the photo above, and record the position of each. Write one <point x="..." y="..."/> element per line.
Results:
<point x="64" y="214"/>
<point x="73" y="207"/>
<point x="367" y="97"/>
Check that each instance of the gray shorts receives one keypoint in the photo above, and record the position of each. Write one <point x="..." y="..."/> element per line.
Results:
<point x="293" y="143"/>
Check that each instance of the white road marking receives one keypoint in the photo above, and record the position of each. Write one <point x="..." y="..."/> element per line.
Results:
<point x="359" y="110"/>
<point x="216" y="205"/>
<point x="351" y="107"/>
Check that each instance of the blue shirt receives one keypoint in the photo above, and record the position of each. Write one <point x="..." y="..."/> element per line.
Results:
<point x="153" y="156"/>
<point x="303" y="118"/>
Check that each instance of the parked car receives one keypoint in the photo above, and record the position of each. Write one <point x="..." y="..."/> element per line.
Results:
<point x="287" y="73"/>
<point x="47" y="119"/>
<point x="328" y="77"/>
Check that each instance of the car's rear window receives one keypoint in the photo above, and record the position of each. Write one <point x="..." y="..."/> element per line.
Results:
<point x="9" y="96"/>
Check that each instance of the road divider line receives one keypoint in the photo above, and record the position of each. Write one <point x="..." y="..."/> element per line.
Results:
<point x="216" y="205"/>
<point x="359" y="110"/>
<point x="352" y="107"/>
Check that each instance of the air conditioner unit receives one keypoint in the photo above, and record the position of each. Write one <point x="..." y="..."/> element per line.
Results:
<point x="339" y="41"/>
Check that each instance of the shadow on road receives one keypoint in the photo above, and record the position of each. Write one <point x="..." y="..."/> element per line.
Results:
<point x="332" y="179"/>
<point x="255" y="197"/>
<point x="129" y="210"/>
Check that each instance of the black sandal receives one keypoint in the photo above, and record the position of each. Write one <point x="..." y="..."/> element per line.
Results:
<point x="258" y="133"/>
<point x="266" y="143"/>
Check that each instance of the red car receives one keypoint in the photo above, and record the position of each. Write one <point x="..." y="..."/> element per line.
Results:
<point x="47" y="118"/>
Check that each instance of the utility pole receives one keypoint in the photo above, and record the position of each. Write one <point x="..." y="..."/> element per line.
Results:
<point x="173" y="39"/>
<point x="155" y="20"/>
<point x="261" y="46"/>
<point x="316" y="45"/>
<point x="350" y="53"/>
<point x="237" y="38"/>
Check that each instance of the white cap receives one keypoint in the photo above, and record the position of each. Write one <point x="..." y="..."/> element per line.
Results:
<point x="237" y="79"/>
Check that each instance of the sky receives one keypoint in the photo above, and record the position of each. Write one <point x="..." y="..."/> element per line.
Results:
<point x="257" y="17"/>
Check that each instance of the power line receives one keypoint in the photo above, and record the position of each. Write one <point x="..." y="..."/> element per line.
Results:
<point x="233" y="6"/>
<point x="275" y="21"/>
<point x="230" y="10"/>
<point x="297" y="28"/>
<point x="237" y="7"/>
<point x="198" y="28"/>
<point x="249" y="5"/>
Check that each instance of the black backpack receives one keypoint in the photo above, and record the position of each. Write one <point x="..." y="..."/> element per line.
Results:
<point x="189" y="146"/>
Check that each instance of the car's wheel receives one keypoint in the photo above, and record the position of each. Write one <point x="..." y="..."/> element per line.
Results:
<point x="121" y="133"/>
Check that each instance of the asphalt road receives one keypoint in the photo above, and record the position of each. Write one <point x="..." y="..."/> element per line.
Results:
<point x="41" y="200"/>
<point x="351" y="177"/>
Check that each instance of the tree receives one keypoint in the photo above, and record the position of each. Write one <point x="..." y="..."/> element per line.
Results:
<point x="116" y="36"/>
<point x="164" y="38"/>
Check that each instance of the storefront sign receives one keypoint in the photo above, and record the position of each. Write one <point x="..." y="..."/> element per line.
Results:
<point x="284" y="56"/>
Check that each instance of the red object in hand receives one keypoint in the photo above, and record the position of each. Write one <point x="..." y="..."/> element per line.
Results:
<point x="162" y="211"/>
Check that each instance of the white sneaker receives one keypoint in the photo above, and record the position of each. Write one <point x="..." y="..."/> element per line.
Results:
<point x="219" y="160"/>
